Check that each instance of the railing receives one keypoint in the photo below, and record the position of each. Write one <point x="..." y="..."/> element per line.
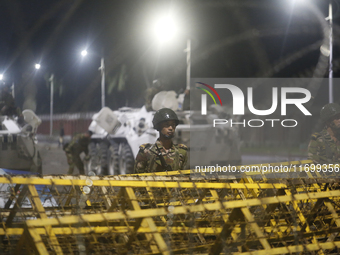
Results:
<point x="174" y="212"/>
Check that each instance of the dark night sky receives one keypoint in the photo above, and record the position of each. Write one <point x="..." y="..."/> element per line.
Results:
<point x="229" y="39"/>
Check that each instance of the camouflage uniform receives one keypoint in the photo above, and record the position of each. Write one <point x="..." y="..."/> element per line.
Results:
<point x="322" y="149"/>
<point x="147" y="160"/>
<point x="73" y="150"/>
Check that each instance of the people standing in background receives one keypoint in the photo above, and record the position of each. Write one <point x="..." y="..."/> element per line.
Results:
<point x="151" y="92"/>
<point x="61" y="136"/>
<point x="73" y="150"/>
<point x="324" y="146"/>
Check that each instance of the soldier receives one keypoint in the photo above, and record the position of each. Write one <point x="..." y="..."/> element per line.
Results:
<point x="163" y="155"/>
<point x="151" y="92"/>
<point x="7" y="104"/>
<point x="73" y="150"/>
<point x="324" y="147"/>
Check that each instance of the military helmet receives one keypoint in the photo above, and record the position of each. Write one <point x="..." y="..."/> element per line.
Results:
<point x="329" y="111"/>
<point x="164" y="114"/>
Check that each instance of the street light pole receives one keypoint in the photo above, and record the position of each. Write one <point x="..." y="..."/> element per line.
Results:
<point x="330" y="17"/>
<point x="188" y="50"/>
<point x="13" y="91"/>
<point x="102" y="71"/>
<point x="51" y="104"/>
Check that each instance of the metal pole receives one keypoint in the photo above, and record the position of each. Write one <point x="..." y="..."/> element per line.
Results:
<point x="188" y="50"/>
<point x="51" y="105"/>
<point x="102" y="70"/>
<point x="13" y="91"/>
<point x="330" y="52"/>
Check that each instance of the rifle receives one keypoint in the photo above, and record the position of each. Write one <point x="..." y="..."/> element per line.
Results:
<point x="165" y="166"/>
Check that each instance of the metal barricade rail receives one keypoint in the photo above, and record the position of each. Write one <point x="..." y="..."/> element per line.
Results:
<point x="180" y="212"/>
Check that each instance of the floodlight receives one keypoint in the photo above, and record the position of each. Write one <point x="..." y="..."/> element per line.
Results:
<point x="83" y="53"/>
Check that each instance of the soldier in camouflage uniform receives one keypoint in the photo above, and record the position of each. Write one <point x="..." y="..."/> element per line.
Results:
<point x="79" y="144"/>
<point x="151" y="92"/>
<point x="163" y="155"/>
<point x="324" y="147"/>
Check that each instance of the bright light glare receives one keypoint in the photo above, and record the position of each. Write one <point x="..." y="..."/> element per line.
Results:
<point x="298" y="2"/>
<point x="83" y="53"/>
<point x="37" y="66"/>
<point x="1" y="76"/>
<point x="165" y="29"/>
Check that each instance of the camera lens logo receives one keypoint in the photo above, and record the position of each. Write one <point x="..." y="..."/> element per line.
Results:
<point x="204" y="97"/>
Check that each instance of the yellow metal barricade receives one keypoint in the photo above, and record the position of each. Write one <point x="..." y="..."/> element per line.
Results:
<point x="180" y="212"/>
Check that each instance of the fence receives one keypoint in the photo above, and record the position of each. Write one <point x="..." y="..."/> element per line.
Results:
<point x="72" y="123"/>
<point x="173" y="213"/>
